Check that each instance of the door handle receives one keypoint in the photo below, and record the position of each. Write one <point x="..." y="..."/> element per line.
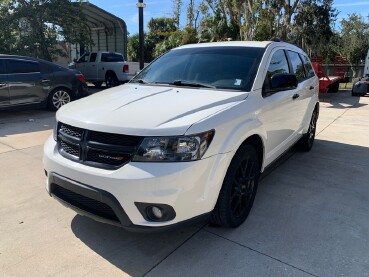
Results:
<point x="295" y="96"/>
<point x="2" y="85"/>
<point x="45" y="81"/>
<point x="311" y="87"/>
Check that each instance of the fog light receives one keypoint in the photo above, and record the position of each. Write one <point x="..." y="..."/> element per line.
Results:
<point x="156" y="212"/>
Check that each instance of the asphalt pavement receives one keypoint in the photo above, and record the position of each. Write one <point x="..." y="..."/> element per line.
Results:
<point x="310" y="217"/>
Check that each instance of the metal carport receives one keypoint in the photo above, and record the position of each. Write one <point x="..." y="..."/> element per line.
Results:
<point x="107" y="31"/>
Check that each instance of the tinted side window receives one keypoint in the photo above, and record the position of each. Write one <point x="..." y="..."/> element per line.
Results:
<point x="84" y="58"/>
<point x="308" y="67"/>
<point x="46" y="68"/>
<point x="297" y="66"/>
<point x="19" y="66"/>
<point x="93" y="57"/>
<point x="278" y="64"/>
<point x="2" y="67"/>
<point x="111" y="57"/>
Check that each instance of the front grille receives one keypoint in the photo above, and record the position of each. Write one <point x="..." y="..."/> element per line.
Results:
<point x="116" y="139"/>
<point x="85" y="203"/>
<point x="111" y="158"/>
<point x="70" y="130"/>
<point x="70" y="149"/>
<point x="97" y="149"/>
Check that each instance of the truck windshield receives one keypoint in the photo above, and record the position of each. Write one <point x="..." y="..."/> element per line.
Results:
<point x="112" y="57"/>
<point x="230" y="68"/>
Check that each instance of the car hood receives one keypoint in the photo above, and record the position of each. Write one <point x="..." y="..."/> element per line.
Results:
<point x="145" y="110"/>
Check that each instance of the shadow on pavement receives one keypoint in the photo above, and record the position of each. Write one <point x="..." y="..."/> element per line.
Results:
<point x="310" y="212"/>
<point x="14" y="122"/>
<point x="341" y="100"/>
<point x="134" y="253"/>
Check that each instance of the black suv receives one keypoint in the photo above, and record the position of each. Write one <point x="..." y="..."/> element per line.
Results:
<point x="25" y="80"/>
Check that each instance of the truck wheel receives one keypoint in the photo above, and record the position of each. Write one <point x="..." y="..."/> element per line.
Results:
<point x="238" y="190"/>
<point x="97" y="84"/>
<point x="111" y="80"/>
<point x="307" y="141"/>
<point x="58" y="98"/>
<point x="334" y="87"/>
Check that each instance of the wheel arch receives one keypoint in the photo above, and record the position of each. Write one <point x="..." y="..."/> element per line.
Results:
<point x="257" y="142"/>
<point x="110" y="71"/>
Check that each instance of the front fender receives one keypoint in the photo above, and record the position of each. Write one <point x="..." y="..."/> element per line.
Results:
<point x="232" y="127"/>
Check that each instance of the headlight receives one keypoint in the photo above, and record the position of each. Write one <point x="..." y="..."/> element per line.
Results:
<point x="174" y="149"/>
<point x="55" y="131"/>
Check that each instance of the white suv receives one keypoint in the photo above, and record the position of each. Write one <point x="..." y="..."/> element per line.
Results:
<point x="187" y="138"/>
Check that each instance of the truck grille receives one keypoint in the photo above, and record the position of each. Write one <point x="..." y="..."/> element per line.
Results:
<point x="97" y="149"/>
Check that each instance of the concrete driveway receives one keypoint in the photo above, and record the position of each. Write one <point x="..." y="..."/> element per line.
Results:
<point x="310" y="217"/>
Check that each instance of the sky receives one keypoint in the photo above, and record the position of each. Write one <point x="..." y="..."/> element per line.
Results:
<point x="127" y="10"/>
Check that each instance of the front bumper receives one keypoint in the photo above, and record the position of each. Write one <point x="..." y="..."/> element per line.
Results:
<point x="191" y="188"/>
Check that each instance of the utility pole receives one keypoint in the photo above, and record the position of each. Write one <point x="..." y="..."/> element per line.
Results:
<point x="140" y="5"/>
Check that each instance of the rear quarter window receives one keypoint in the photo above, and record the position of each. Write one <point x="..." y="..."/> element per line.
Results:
<point x="46" y="68"/>
<point x="22" y="66"/>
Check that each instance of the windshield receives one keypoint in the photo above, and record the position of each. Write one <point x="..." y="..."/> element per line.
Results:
<point x="230" y="68"/>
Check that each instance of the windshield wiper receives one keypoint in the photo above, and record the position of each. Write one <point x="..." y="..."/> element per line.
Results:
<point x="186" y="84"/>
<point x="141" y="81"/>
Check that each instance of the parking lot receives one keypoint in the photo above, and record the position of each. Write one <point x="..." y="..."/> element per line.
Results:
<point x="310" y="217"/>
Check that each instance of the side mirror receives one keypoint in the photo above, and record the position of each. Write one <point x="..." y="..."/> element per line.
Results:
<point x="281" y="81"/>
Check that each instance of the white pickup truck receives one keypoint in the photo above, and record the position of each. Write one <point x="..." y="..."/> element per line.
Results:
<point x="101" y="66"/>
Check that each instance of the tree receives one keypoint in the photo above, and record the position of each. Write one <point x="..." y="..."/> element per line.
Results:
<point x="312" y="27"/>
<point x="133" y="48"/>
<point x="177" y="7"/>
<point x="354" y="39"/>
<point x="288" y="10"/>
<point x="38" y="25"/>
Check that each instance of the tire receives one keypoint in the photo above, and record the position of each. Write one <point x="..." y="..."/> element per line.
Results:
<point x="307" y="141"/>
<point x="97" y="84"/>
<point x="239" y="188"/>
<point x="58" y="98"/>
<point x="111" y="80"/>
<point x="334" y="87"/>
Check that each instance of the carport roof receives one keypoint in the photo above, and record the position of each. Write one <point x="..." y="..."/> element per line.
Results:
<point x="97" y="17"/>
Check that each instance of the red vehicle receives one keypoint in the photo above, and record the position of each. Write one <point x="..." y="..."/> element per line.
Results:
<point x="330" y="83"/>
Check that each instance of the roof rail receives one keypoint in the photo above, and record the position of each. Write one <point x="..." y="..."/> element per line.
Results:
<point x="280" y="40"/>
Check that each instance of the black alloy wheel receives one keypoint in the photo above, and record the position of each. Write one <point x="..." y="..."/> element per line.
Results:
<point x="111" y="80"/>
<point x="238" y="190"/>
<point x="308" y="139"/>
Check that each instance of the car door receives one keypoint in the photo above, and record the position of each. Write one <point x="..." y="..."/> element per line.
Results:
<point x="25" y="81"/>
<point x="310" y="87"/>
<point x="278" y="109"/>
<point x="81" y="64"/>
<point x="91" y="67"/>
<point x="4" y="89"/>
<point x="305" y="88"/>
